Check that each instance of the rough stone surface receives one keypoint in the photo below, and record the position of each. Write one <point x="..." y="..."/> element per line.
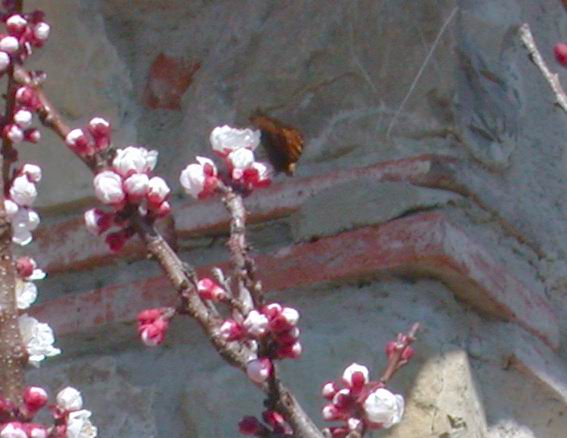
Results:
<point x="365" y="81"/>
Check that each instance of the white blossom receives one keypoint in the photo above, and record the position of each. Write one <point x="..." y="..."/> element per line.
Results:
<point x="256" y="323"/>
<point x="24" y="221"/>
<point x="194" y="177"/>
<point x="136" y="185"/>
<point x="69" y="399"/>
<point x="41" y="31"/>
<point x="23" y="191"/>
<point x="9" y="44"/>
<point x="381" y="406"/>
<point x="26" y="294"/>
<point x="23" y="118"/>
<point x="134" y="159"/>
<point x="157" y="190"/>
<point x="108" y="187"/>
<point x="241" y="158"/>
<point x="225" y="139"/>
<point x="32" y="171"/>
<point x="12" y="431"/>
<point x="79" y="425"/>
<point x="38" y="339"/>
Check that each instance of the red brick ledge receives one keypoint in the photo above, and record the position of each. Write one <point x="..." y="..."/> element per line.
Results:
<point x="420" y="245"/>
<point x="68" y="246"/>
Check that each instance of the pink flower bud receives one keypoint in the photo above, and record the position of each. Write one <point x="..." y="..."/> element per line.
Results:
<point x="258" y="370"/>
<point x="136" y="186"/>
<point x="22" y="191"/>
<point x="149" y="316"/>
<point x="26" y="96"/>
<point x="154" y="334"/>
<point x="79" y="143"/>
<point x="286" y="320"/>
<point x="98" y="221"/>
<point x="250" y="426"/>
<point x="158" y="190"/>
<point x="9" y="44"/>
<point x="276" y="421"/>
<point x="272" y="310"/>
<point x="355" y="376"/>
<point x="210" y="290"/>
<point x="331" y="413"/>
<point x="108" y="187"/>
<point x="199" y="179"/>
<point x="116" y="240"/>
<point x="25" y="266"/>
<point x="41" y="31"/>
<point x="32" y="171"/>
<point x="14" y="133"/>
<point x="16" y="24"/>
<point x="100" y="130"/>
<point x="230" y="330"/>
<point x="23" y="118"/>
<point x="286" y="337"/>
<point x="35" y="398"/>
<point x="329" y="390"/>
<point x="32" y="135"/>
<point x="4" y="61"/>
<point x="560" y="50"/>
<point x="161" y="210"/>
<point x="290" y="351"/>
<point x="343" y="399"/>
<point x="258" y="174"/>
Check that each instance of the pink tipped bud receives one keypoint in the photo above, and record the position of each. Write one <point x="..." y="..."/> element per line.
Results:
<point x="25" y="266"/>
<point x="158" y="190"/>
<point x="230" y="330"/>
<point x="79" y="143"/>
<point x="154" y="334"/>
<point x="258" y="370"/>
<point x="116" y="240"/>
<point x="276" y="422"/>
<point x="331" y="413"/>
<point x="9" y="44"/>
<point x="98" y="221"/>
<point x="250" y="426"/>
<point x="407" y="354"/>
<point x="41" y="31"/>
<point x="560" y="50"/>
<point x="329" y="390"/>
<point x="16" y="24"/>
<point x="136" y="186"/>
<point x="32" y="135"/>
<point x="35" y="398"/>
<point x="162" y="210"/>
<point x="210" y="290"/>
<point x="32" y="171"/>
<point x="149" y="316"/>
<point x="14" y="133"/>
<point x="26" y="97"/>
<point x="290" y="351"/>
<point x="272" y="310"/>
<point x="355" y="376"/>
<point x="100" y="129"/>
<point x="343" y="399"/>
<point x="256" y="323"/>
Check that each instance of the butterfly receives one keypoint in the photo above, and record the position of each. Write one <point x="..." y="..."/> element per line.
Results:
<point x="283" y="143"/>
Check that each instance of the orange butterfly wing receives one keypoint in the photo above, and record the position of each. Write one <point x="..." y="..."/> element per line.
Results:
<point x="283" y="144"/>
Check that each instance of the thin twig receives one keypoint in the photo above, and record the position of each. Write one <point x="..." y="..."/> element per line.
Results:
<point x="535" y="55"/>
<point x="395" y="361"/>
<point x="421" y="69"/>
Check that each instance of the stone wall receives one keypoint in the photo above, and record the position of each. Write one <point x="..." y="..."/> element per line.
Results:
<point x="431" y="189"/>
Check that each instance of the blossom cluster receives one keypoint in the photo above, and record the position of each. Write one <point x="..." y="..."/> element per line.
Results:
<point x="18" y="201"/>
<point x="361" y="404"/>
<point x="70" y="419"/>
<point x="23" y="33"/>
<point x="128" y="184"/>
<point x="236" y="147"/>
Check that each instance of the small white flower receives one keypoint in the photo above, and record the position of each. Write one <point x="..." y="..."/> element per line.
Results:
<point x="12" y="430"/>
<point x="258" y="370"/>
<point x="11" y="208"/>
<point x="108" y="187"/>
<point x="194" y="177"/>
<point x="38" y="339"/>
<point x="79" y="425"/>
<point x="23" y="222"/>
<point x="26" y="294"/>
<point x="32" y="171"/>
<point x="355" y="368"/>
<point x="241" y="158"/>
<point x="225" y="139"/>
<point x="256" y="323"/>
<point x="4" y="61"/>
<point x="134" y="160"/>
<point x="69" y="399"/>
<point x="383" y="407"/>
<point x="15" y="134"/>
<point x="157" y="190"/>
<point x="23" y="191"/>
<point x="16" y="20"/>
<point x="136" y="185"/>
<point x="9" y="44"/>
<point x="23" y="118"/>
<point x="41" y="31"/>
